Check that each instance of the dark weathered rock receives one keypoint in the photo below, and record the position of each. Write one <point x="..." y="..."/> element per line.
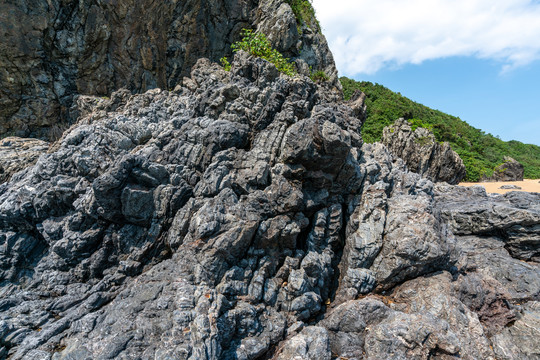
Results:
<point x="510" y="170"/>
<point x="188" y="205"/>
<point x="422" y="153"/>
<point x="17" y="154"/>
<point x="241" y="217"/>
<point x="513" y="217"/>
<point x="50" y="51"/>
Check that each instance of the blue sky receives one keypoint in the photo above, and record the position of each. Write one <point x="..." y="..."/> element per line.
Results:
<point x="476" y="59"/>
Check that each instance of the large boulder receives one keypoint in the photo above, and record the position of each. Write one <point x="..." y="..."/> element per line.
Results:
<point x="422" y="153"/>
<point x="52" y="50"/>
<point x="509" y="170"/>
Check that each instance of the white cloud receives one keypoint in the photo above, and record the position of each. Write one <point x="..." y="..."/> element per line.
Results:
<point x="367" y="35"/>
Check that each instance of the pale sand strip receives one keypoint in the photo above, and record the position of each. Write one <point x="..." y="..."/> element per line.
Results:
<point x="493" y="187"/>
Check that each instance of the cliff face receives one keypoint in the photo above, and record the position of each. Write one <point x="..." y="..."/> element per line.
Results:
<point x="51" y="51"/>
<point x="241" y="217"/>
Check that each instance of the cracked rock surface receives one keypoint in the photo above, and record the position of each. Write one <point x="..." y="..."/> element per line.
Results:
<point x="422" y="153"/>
<point x="241" y="217"/>
<point x="52" y="51"/>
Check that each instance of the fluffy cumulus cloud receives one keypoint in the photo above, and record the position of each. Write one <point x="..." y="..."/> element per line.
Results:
<point x="367" y="35"/>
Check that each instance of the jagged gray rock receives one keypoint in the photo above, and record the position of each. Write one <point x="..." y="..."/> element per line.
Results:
<point x="52" y="50"/>
<point x="422" y="153"/>
<point x="513" y="217"/>
<point x="509" y="170"/>
<point x="241" y="217"/>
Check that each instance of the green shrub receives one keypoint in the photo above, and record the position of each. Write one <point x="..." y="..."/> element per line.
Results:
<point x="304" y="14"/>
<point x="416" y="123"/>
<point x="257" y="44"/>
<point x="225" y="63"/>
<point x="318" y="76"/>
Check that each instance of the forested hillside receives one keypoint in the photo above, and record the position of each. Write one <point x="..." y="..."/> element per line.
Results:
<point x="480" y="152"/>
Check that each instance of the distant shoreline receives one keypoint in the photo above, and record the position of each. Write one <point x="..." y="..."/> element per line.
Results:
<point x="528" y="185"/>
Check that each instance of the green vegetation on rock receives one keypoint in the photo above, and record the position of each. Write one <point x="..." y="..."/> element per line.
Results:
<point x="480" y="152"/>
<point x="318" y="76"/>
<point x="257" y="44"/>
<point x="304" y="14"/>
<point x="225" y="63"/>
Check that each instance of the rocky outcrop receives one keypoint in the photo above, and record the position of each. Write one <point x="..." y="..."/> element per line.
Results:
<point x="510" y="170"/>
<point x="241" y="217"/>
<point x="51" y="51"/>
<point x="422" y="153"/>
<point x="17" y="154"/>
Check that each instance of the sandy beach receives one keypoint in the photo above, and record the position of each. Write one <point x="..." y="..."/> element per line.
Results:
<point x="494" y="187"/>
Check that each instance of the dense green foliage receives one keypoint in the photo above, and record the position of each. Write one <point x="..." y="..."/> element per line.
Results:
<point x="257" y="44"/>
<point x="304" y="14"/>
<point x="480" y="152"/>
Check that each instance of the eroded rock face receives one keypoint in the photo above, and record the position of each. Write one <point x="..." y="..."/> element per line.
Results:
<point x="50" y="51"/>
<point x="510" y="170"/>
<point x="422" y="153"/>
<point x="241" y="217"/>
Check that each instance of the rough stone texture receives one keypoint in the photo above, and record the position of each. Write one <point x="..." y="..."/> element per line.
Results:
<point x="513" y="217"/>
<point x="510" y="170"/>
<point x="520" y="341"/>
<point x="52" y="50"/>
<point x="17" y="154"/>
<point x="241" y="217"/>
<point x="510" y="187"/>
<point x="422" y="153"/>
<point x="312" y="343"/>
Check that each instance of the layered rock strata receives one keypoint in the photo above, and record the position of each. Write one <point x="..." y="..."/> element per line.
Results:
<point x="241" y="217"/>
<point x="422" y="153"/>
<point x="51" y="51"/>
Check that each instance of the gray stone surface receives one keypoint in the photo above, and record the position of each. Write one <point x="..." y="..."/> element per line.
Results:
<point x="513" y="217"/>
<point x="510" y="187"/>
<point x="422" y="153"/>
<point x="312" y="343"/>
<point x="520" y="341"/>
<point x="241" y="217"/>
<point x="51" y="51"/>
<point x="509" y="170"/>
<point x="17" y="154"/>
